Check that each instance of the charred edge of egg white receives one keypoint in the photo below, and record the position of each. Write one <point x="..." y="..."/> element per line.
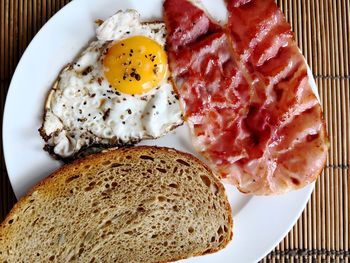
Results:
<point x="47" y="105"/>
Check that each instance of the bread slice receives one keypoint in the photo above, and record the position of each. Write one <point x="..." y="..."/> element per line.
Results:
<point x="137" y="204"/>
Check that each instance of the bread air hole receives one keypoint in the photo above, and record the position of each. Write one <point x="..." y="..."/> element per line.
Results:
<point x="161" y="170"/>
<point x="161" y="198"/>
<point x="182" y="162"/>
<point x="220" y="231"/>
<point x="105" y="163"/>
<point x="146" y="157"/>
<point x="225" y="229"/>
<point x="115" y="165"/>
<point x="190" y="230"/>
<point x="173" y="185"/>
<point x="140" y="209"/>
<point x="206" y="180"/>
<point x="68" y="180"/>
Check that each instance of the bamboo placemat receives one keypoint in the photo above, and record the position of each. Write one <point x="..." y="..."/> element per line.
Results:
<point x="322" y="29"/>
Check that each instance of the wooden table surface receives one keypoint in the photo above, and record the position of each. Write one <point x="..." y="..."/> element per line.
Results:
<point x="322" y="29"/>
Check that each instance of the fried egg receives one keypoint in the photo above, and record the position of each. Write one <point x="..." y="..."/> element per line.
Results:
<point x="118" y="90"/>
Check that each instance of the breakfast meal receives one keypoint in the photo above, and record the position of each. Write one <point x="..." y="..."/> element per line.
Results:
<point x="137" y="204"/>
<point x="246" y="95"/>
<point x="242" y="88"/>
<point x="117" y="92"/>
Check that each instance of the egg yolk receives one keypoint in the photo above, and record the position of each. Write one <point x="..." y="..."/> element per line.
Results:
<point x="135" y="65"/>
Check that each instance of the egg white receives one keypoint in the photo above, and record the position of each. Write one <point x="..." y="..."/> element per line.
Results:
<point x="83" y="109"/>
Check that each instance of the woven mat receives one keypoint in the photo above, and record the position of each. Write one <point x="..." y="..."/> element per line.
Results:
<point x="322" y="29"/>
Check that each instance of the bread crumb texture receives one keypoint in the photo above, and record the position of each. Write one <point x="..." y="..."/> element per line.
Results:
<point x="138" y="204"/>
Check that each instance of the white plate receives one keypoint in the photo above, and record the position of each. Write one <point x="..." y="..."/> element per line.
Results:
<point x="259" y="222"/>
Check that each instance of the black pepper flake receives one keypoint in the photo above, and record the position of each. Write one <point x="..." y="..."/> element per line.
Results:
<point x="129" y="111"/>
<point x="80" y="111"/>
<point x="72" y="107"/>
<point x="152" y="95"/>
<point x="89" y="114"/>
<point x="128" y="32"/>
<point x="176" y="97"/>
<point x="78" y="90"/>
<point x="81" y="128"/>
<point x="124" y="99"/>
<point x="131" y="51"/>
<point x="117" y="93"/>
<point x="106" y="114"/>
<point x="81" y="119"/>
<point x="154" y="106"/>
<point x="93" y="95"/>
<point x="125" y="76"/>
<point x="137" y="77"/>
<point x="109" y="97"/>
<point x="122" y="44"/>
<point x="123" y="122"/>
